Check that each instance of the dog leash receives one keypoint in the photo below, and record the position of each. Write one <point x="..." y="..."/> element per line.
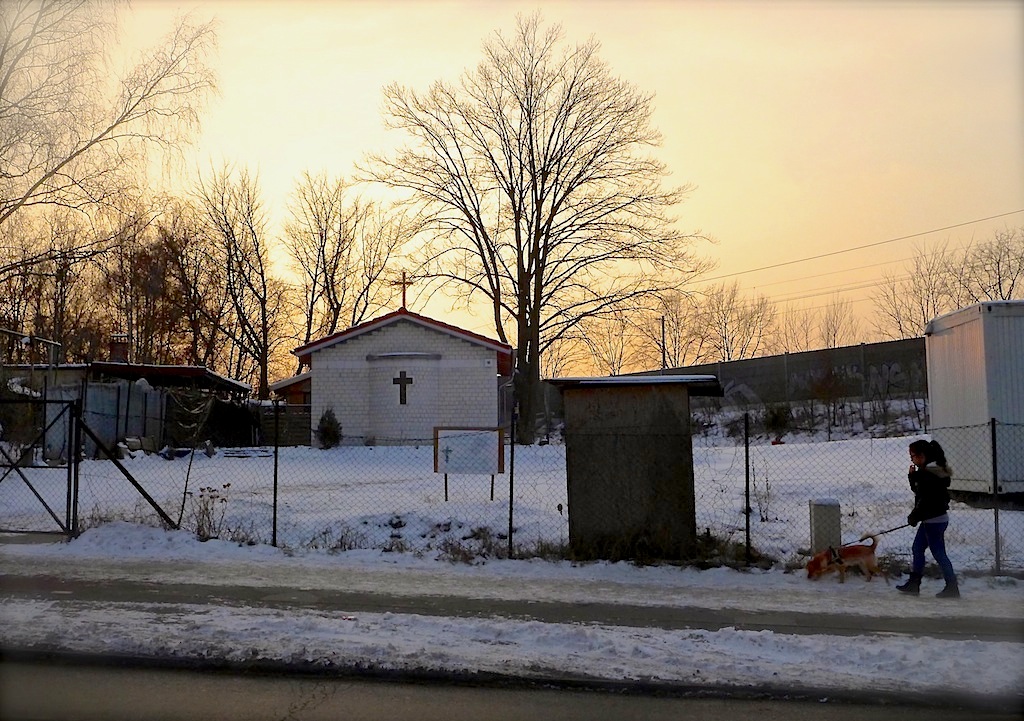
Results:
<point x="869" y="535"/>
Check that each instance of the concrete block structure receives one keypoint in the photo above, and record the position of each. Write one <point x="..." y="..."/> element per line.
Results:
<point x="392" y="380"/>
<point x="629" y="465"/>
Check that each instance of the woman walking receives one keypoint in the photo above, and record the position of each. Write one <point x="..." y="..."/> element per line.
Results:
<point x="929" y="480"/>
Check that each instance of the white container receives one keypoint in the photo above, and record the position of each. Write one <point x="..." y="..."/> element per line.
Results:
<point x="826" y="524"/>
<point x="975" y="359"/>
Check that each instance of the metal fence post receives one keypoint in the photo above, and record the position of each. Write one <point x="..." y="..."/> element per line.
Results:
<point x="512" y="473"/>
<point x="75" y="459"/>
<point x="69" y="409"/>
<point x="746" y="464"/>
<point x="995" y="494"/>
<point x="277" y="453"/>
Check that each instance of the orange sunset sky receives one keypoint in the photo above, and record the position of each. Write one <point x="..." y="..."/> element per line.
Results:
<point x="806" y="127"/>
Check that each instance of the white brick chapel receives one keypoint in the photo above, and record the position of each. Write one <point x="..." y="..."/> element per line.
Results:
<point x="392" y="380"/>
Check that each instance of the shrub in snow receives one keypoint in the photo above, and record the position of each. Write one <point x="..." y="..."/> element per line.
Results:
<point x="328" y="431"/>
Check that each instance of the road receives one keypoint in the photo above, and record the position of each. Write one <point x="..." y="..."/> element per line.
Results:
<point x="45" y="692"/>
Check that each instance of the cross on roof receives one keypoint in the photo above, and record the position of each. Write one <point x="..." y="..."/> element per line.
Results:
<point x="404" y="283"/>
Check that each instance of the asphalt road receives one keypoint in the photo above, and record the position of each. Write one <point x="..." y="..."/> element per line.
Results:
<point x="58" y="691"/>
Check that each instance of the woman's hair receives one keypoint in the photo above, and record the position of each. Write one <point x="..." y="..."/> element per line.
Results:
<point x="932" y="452"/>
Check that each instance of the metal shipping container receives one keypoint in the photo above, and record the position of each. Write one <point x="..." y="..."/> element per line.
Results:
<point x="975" y="359"/>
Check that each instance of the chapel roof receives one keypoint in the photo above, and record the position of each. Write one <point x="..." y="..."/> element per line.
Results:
<point x="504" y="350"/>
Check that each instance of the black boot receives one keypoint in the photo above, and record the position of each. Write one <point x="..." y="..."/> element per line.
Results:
<point x="952" y="590"/>
<point x="912" y="586"/>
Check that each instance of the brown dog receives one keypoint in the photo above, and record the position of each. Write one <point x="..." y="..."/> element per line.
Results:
<point x="842" y="558"/>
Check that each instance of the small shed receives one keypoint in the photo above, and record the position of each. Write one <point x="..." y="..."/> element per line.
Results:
<point x="394" y="379"/>
<point x="629" y="464"/>
<point x="975" y="359"/>
<point x="295" y="390"/>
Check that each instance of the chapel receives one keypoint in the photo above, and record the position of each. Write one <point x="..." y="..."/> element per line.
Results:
<point x="394" y="379"/>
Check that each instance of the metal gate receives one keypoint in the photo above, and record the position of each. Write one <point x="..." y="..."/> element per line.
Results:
<point x="41" y="450"/>
<point x="37" y="482"/>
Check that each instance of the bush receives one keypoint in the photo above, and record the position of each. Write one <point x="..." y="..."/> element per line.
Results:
<point x="777" y="419"/>
<point x="328" y="431"/>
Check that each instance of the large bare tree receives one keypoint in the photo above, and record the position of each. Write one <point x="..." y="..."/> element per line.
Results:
<point x="237" y="225"/>
<point x="201" y="283"/>
<point x="67" y="132"/>
<point x="536" y="176"/>
<point x="341" y="247"/>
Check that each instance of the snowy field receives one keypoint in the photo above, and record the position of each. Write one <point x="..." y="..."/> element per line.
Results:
<point x="390" y="498"/>
<point x="910" y="667"/>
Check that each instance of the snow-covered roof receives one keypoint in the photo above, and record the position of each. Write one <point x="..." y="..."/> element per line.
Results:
<point x="290" y="381"/>
<point x="698" y="385"/>
<point x="162" y="375"/>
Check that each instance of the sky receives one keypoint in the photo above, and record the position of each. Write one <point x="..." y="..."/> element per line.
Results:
<point x="523" y="647"/>
<point x="808" y="129"/>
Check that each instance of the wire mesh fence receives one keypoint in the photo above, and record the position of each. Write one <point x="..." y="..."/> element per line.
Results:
<point x="409" y="498"/>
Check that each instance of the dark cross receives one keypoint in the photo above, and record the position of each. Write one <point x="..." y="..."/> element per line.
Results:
<point x="404" y="283"/>
<point x="402" y="381"/>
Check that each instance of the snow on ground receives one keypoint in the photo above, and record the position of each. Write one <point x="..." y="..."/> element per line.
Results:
<point x="882" y="662"/>
<point x="390" y="498"/>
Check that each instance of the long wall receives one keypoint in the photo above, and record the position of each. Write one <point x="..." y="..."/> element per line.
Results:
<point x="870" y="372"/>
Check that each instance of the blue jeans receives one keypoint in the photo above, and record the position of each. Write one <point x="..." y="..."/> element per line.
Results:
<point x="932" y="535"/>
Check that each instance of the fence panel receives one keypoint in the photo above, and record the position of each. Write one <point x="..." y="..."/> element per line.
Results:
<point x="389" y="497"/>
<point x="36" y="492"/>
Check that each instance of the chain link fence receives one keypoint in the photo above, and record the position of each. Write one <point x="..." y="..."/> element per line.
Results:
<point x="399" y="498"/>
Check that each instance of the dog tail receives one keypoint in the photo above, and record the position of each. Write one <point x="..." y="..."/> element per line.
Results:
<point x="874" y="539"/>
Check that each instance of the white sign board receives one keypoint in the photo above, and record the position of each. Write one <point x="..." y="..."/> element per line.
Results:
<point x="469" y="450"/>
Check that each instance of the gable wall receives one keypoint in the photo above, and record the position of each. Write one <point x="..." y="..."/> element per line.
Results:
<point x="455" y="386"/>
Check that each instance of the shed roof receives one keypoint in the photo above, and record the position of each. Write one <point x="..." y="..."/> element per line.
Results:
<point x="280" y="385"/>
<point x="169" y="375"/>
<point x="698" y="385"/>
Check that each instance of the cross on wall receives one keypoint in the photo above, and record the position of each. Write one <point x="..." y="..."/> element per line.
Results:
<point x="402" y="381"/>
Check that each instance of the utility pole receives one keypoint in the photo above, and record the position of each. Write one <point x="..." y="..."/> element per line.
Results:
<point x="664" y="362"/>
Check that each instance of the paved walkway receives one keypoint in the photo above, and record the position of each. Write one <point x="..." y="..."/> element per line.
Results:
<point x="617" y="614"/>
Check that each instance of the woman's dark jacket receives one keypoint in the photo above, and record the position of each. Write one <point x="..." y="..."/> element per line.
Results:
<point x="931" y="493"/>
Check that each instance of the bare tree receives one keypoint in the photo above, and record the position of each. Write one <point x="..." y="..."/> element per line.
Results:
<point x="560" y="357"/>
<point x="993" y="269"/>
<point x="64" y="139"/>
<point x="63" y="308"/>
<point x="341" y="248"/>
<point x="796" y="329"/>
<point x="202" y="284"/>
<point x="838" y="325"/>
<point x="21" y="242"/>
<point x="670" y="333"/>
<point x="736" y="327"/>
<point x="540" y="195"/>
<point x="238" y="225"/>
<point x="140" y="289"/>
<point x="904" y="303"/>
<point x="609" y="338"/>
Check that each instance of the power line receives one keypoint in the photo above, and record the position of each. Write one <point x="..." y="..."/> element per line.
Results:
<point x="863" y="247"/>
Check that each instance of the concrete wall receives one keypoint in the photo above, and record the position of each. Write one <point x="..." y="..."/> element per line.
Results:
<point x="869" y="371"/>
<point x="629" y="470"/>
